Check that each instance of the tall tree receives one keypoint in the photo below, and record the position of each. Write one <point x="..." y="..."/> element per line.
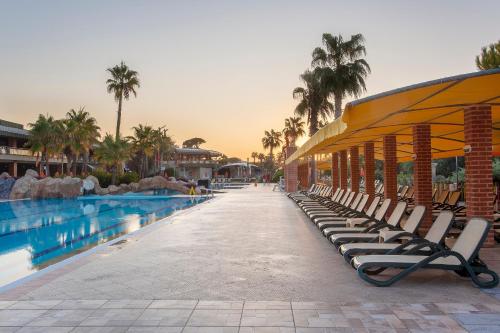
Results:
<point x="122" y="84"/>
<point x="294" y="128"/>
<point x="112" y="153"/>
<point x="81" y="134"/>
<point x="271" y="140"/>
<point x="143" y="142"/>
<point x="343" y="69"/>
<point x="44" y="139"/>
<point x="164" y="146"/>
<point x="489" y="57"/>
<point x="313" y="102"/>
<point x="193" y="143"/>
<point x="261" y="158"/>
<point x="254" y="156"/>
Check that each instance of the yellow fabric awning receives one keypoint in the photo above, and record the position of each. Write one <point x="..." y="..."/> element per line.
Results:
<point x="439" y="103"/>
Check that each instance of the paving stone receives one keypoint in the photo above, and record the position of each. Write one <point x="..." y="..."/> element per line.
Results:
<point x="163" y="317"/>
<point x="9" y="329"/>
<point x="267" y="318"/>
<point x="267" y="330"/>
<point x="6" y="304"/>
<point x="127" y="304"/>
<point x="80" y="304"/>
<point x="219" y="305"/>
<point x="173" y="304"/>
<point x="191" y="329"/>
<point x="108" y="329"/>
<point x="478" y="319"/>
<point x="319" y="318"/>
<point x="61" y="318"/>
<point x="45" y="330"/>
<point x="112" y="317"/>
<point x="18" y="317"/>
<point x="163" y="329"/>
<point x="267" y="305"/>
<point x="34" y="305"/>
<point x="327" y="330"/>
<point x="215" y="318"/>
<point x="312" y="305"/>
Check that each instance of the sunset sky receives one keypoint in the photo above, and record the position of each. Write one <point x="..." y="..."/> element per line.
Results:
<point x="220" y="70"/>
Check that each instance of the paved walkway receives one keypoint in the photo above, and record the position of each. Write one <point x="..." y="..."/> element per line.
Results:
<point x="248" y="259"/>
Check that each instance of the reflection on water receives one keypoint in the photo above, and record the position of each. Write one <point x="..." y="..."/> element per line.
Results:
<point x="36" y="233"/>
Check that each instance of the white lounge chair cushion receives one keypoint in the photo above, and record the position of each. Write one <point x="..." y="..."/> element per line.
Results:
<point x="331" y="224"/>
<point x="346" y="229"/>
<point x="352" y="222"/>
<point x="355" y="236"/>
<point x="386" y="234"/>
<point x="375" y="246"/>
<point x="402" y="260"/>
<point x="332" y="219"/>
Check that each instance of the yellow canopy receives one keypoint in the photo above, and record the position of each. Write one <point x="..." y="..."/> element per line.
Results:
<point x="439" y="103"/>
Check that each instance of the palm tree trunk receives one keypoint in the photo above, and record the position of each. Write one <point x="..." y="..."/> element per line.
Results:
<point x="47" y="165"/>
<point x="119" y="118"/>
<point x="113" y="175"/>
<point x="338" y="105"/>
<point x="85" y="162"/>
<point x="74" y="164"/>
<point x="313" y="123"/>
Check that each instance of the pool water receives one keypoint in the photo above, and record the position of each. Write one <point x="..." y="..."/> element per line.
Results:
<point x="37" y="233"/>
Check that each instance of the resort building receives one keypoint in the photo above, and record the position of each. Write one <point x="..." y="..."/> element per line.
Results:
<point x="239" y="170"/>
<point x="15" y="158"/>
<point x="454" y="116"/>
<point x="193" y="163"/>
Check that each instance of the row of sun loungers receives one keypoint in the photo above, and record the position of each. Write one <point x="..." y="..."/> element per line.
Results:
<point x="371" y="242"/>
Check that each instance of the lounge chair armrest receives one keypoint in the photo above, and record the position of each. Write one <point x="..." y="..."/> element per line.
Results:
<point x="399" y="236"/>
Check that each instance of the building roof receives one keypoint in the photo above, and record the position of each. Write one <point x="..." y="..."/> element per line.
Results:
<point x="197" y="151"/>
<point x="439" y="103"/>
<point x="239" y="164"/>
<point x="10" y="129"/>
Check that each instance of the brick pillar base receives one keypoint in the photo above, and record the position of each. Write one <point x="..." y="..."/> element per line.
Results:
<point x="13" y="169"/>
<point x="369" y="154"/>
<point x="422" y="171"/>
<point x="335" y="171"/>
<point x="303" y="175"/>
<point x="354" y="152"/>
<point x="343" y="169"/>
<point x="478" y="169"/>
<point x="390" y="171"/>
<point x="291" y="171"/>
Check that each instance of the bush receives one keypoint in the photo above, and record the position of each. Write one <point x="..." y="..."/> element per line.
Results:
<point x="128" y="177"/>
<point x="103" y="176"/>
<point x="276" y="177"/>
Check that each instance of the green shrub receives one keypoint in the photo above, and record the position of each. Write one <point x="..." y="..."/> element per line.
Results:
<point x="276" y="177"/>
<point x="104" y="177"/>
<point x="128" y="177"/>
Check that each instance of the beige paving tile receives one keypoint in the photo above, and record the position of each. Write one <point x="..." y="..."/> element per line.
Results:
<point x="267" y="305"/>
<point x="163" y="329"/>
<point x="190" y="329"/>
<point x="45" y="330"/>
<point x="112" y="317"/>
<point x="267" y="318"/>
<point x="18" y="317"/>
<point x="267" y="330"/>
<point x="163" y="317"/>
<point x="173" y="304"/>
<point x="127" y="304"/>
<point x="34" y="305"/>
<point x="108" y="329"/>
<point x="215" y="318"/>
<point x="319" y="318"/>
<point x="80" y="304"/>
<point x="219" y="305"/>
<point x="71" y="317"/>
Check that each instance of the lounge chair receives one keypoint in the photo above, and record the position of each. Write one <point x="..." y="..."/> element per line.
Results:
<point x="414" y="245"/>
<point x="371" y="233"/>
<point x="360" y="224"/>
<point x="462" y="258"/>
<point x="353" y="199"/>
<point x="341" y="221"/>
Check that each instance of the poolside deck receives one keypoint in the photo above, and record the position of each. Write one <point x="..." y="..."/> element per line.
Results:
<point x="246" y="258"/>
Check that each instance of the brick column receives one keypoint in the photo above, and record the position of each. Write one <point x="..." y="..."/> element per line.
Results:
<point x="343" y="169"/>
<point x="390" y="171"/>
<point x="291" y="171"/>
<point x="422" y="172"/>
<point x="478" y="169"/>
<point x="335" y="171"/>
<point x="13" y="169"/>
<point x="354" y="152"/>
<point x="369" y="154"/>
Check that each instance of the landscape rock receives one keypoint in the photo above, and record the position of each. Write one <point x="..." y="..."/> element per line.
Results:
<point x="22" y="187"/>
<point x="152" y="183"/>
<point x="125" y="188"/>
<point x="101" y="191"/>
<point x="134" y="187"/>
<point x="49" y="187"/>
<point x="32" y="173"/>
<point x="113" y="189"/>
<point x="6" y="185"/>
<point x="4" y="175"/>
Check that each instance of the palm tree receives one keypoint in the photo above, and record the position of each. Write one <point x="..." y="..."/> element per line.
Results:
<point x="261" y="158"/>
<point x="143" y="142"/>
<point x="82" y="133"/>
<point x="271" y="140"/>
<point x="343" y="70"/>
<point x="163" y="145"/>
<point x="112" y="153"/>
<point x="294" y="128"/>
<point x="489" y="57"/>
<point x="314" y="102"/>
<point x="254" y="156"/>
<point x="122" y="83"/>
<point x="44" y="139"/>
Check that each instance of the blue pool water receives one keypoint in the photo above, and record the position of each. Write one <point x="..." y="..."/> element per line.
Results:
<point x="37" y="233"/>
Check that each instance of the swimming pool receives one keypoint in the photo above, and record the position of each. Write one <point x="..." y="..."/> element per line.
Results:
<point x="38" y="233"/>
